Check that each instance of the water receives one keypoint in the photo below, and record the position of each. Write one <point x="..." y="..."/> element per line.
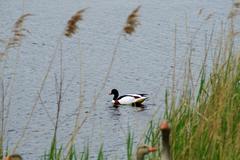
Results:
<point x="143" y="63"/>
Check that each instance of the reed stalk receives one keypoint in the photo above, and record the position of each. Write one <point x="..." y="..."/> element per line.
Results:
<point x="7" y="86"/>
<point x="132" y="21"/>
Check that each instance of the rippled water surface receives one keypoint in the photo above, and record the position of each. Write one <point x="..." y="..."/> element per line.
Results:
<point x="143" y="63"/>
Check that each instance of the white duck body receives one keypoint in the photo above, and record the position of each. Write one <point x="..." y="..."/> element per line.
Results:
<point x="127" y="99"/>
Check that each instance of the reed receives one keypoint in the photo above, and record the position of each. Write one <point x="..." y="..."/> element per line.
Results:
<point x="85" y="154"/>
<point x="18" y="32"/>
<point x="204" y="126"/>
<point x="72" y="27"/>
<point x="205" y="121"/>
<point x="132" y="21"/>
<point x="100" y="154"/>
<point x="130" y="145"/>
<point x="58" y="153"/>
<point x="207" y="128"/>
<point x="7" y="86"/>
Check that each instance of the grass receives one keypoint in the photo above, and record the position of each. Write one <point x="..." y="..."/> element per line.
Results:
<point x="206" y="126"/>
<point x="130" y="145"/>
<point x="205" y="120"/>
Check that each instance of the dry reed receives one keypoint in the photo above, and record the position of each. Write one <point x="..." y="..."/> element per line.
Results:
<point x="233" y="13"/>
<point x="209" y="16"/>
<point x="200" y="11"/>
<point x="72" y="27"/>
<point x="2" y="55"/>
<point x="68" y="31"/>
<point x="236" y="3"/>
<point x="132" y="21"/>
<point x="129" y="27"/>
<point x="18" y="34"/>
<point x="18" y="31"/>
<point x="6" y="91"/>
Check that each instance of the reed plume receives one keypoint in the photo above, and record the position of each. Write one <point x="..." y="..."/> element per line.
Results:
<point x="132" y="22"/>
<point x="200" y="11"/>
<point x="236" y="3"/>
<point x="233" y="13"/>
<point x="72" y="27"/>
<point x="2" y="55"/>
<point x="18" y="31"/>
<point x="209" y="16"/>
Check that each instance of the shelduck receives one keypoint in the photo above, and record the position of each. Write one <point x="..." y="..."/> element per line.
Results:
<point x="13" y="157"/>
<point x="127" y="99"/>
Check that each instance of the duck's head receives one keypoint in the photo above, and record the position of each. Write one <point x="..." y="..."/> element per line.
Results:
<point x="13" y="157"/>
<point x="143" y="150"/>
<point x="164" y="127"/>
<point x="115" y="93"/>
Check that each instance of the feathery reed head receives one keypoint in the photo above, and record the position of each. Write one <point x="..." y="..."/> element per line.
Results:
<point x="18" y="31"/>
<point x="233" y="13"/>
<point x="132" y="21"/>
<point x="2" y="55"/>
<point x="236" y="3"/>
<point x="209" y="16"/>
<point x="200" y="11"/>
<point x="19" y="23"/>
<point x="71" y="27"/>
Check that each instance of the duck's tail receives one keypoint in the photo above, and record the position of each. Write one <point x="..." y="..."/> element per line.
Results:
<point x="143" y="94"/>
<point x="140" y="100"/>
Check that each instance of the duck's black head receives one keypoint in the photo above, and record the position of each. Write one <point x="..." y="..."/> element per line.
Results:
<point x="115" y="93"/>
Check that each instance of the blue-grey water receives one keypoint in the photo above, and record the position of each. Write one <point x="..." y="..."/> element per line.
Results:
<point x="143" y="63"/>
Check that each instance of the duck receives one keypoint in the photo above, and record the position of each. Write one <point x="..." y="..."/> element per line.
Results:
<point x="144" y="150"/>
<point x="13" y="157"/>
<point x="165" y="151"/>
<point x="127" y="99"/>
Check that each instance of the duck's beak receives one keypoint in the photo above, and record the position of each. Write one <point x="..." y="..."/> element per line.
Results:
<point x="110" y="93"/>
<point x="152" y="149"/>
<point x="7" y="158"/>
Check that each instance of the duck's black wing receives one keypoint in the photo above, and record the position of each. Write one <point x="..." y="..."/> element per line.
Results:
<point x="132" y="95"/>
<point x="123" y="96"/>
<point x="143" y="94"/>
